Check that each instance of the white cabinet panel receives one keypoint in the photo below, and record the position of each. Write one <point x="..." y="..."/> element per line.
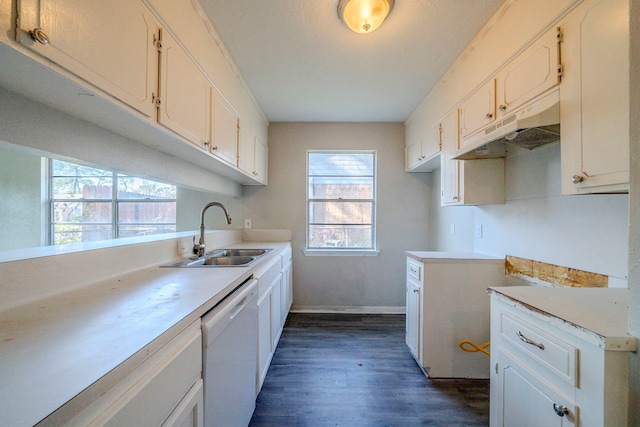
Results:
<point x="594" y="98"/>
<point x="479" y="110"/>
<point x="468" y="182"/>
<point x="185" y="94"/>
<point x="532" y="72"/>
<point x="252" y="155"/>
<point x="189" y="412"/>
<point x="224" y="130"/>
<point x="423" y="150"/>
<point x="108" y="44"/>
<point x="265" y="339"/>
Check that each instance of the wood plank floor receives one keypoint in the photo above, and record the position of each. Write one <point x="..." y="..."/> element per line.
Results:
<point x="356" y="370"/>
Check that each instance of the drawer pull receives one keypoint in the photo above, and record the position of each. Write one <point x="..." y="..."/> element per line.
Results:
<point x="560" y="410"/>
<point x="528" y="341"/>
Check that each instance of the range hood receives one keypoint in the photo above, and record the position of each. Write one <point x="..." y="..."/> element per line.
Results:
<point x="534" y="125"/>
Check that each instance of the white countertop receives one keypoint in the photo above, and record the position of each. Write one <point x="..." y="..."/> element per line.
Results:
<point x="55" y="350"/>
<point x="598" y="315"/>
<point x="439" y="256"/>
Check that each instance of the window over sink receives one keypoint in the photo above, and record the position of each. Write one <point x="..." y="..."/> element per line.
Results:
<point x="341" y="202"/>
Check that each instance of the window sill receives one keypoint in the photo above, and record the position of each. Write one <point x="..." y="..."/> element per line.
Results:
<point x="341" y="252"/>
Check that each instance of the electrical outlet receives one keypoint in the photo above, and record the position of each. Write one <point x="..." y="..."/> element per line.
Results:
<point x="247" y="223"/>
<point x="453" y="229"/>
<point x="479" y="231"/>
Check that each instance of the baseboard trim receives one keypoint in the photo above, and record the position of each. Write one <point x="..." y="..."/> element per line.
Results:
<point x="349" y="309"/>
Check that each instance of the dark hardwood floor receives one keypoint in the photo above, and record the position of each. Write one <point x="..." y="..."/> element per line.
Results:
<point x="356" y="370"/>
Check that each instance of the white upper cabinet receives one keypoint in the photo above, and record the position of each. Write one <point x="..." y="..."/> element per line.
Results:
<point x="252" y="155"/>
<point x="423" y="149"/>
<point x="479" y="110"/>
<point x="531" y="73"/>
<point x="594" y="98"/>
<point x="468" y="182"/>
<point x="184" y="95"/>
<point x="109" y="44"/>
<point x="224" y="124"/>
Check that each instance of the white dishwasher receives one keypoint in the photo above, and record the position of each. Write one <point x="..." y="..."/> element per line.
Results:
<point x="230" y="349"/>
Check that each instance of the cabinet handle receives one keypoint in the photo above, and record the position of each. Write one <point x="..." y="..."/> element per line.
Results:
<point x="502" y="108"/>
<point x="214" y="148"/>
<point x="577" y="179"/>
<point x="489" y="116"/>
<point x="415" y="291"/>
<point x="38" y="35"/>
<point x="560" y="410"/>
<point x="528" y="341"/>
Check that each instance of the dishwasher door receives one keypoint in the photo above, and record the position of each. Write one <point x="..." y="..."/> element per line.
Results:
<point x="230" y="349"/>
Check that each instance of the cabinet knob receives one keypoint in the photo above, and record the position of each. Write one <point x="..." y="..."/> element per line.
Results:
<point x="415" y="291"/>
<point x="577" y="179"/>
<point x="560" y="410"/>
<point x="489" y="116"/>
<point x="38" y="35"/>
<point x="502" y="108"/>
<point x="214" y="148"/>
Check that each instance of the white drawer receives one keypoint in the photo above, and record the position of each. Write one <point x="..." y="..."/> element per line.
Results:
<point x="531" y="342"/>
<point x="414" y="270"/>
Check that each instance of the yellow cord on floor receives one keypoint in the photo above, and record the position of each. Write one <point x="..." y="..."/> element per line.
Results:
<point x="474" y="347"/>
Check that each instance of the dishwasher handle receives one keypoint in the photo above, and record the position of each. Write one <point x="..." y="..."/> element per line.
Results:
<point x="216" y="320"/>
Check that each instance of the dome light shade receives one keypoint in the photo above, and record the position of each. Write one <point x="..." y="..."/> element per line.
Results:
<point x="364" y="16"/>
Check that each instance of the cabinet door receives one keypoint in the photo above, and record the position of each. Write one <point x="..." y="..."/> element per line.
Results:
<point x="246" y="149"/>
<point x="189" y="412"/>
<point x="107" y="43"/>
<point x="449" y="168"/>
<point x="276" y="320"/>
<point x="185" y="94"/>
<point x="527" y="401"/>
<point x="265" y="340"/>
<point x="534" y="71"/>
<point x="224" y="130"/>
<point x="479" y="110"/>
<point x="594" y="98"/>
<point x="413" y="319"/>
<point x="414" y="154"/>
<point x="260" y="160"/>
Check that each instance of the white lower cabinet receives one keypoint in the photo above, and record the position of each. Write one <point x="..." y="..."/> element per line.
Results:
<point x="166" y="389"/>
<point x="544" y="375"/>
<point x="447" y="302"/>
<point x="274" y="302"/>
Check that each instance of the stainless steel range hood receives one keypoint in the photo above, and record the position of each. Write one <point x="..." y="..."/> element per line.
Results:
<point x="534" y="125"/>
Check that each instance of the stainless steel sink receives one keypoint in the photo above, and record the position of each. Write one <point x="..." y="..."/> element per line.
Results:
<point x="223" y="258"/>
<point x="237" y="252"/>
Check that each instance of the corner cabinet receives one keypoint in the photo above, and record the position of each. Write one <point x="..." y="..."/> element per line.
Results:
<point x="441" y="289"/>
<point x="252" y="155"/>
<point x="468" y="182"/>
<point x="594" y="98"/>
<point x="110" y="44"/>
<point x="422" y="152"/>
<point x="547" y="371"/>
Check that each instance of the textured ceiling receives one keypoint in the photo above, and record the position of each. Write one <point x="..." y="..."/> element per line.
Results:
<point x="303" y="64"/>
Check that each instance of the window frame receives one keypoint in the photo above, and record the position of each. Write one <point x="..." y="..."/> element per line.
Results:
<point x="339" y="251"/>
<point x="114" y="200"/>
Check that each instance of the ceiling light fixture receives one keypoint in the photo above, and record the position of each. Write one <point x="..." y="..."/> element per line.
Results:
<point x="364" y="16"/>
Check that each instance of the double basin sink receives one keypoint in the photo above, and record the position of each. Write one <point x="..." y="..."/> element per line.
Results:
<point x="223" y="258"/>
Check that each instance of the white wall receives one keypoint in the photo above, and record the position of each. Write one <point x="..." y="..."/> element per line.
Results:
<point x="21" y="200"/>
<point x="634" y="213"/>
<point x="402" y="214"/>
<point x="190" y="203"/>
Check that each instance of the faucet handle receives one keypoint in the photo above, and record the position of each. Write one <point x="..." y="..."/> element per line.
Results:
<point x="198" y="248"/>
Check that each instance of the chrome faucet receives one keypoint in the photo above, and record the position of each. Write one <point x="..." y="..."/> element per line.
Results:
<point x="199" y="248"/>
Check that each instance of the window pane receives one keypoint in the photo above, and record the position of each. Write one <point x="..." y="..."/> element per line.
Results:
<point x="337" y="212"/>
<point x="60" y="168"/>
<point x="76" y="212"/>
<point x="67" y="233"/>
<point x="340" y="188"/>
<point x="146" y="212"/>
<point x="341" y="164"/>
<point x="144" y="230"/>
<point x="130" y="187"/>
<point x="344" y="237"/>
<point x="82" y="188"/>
